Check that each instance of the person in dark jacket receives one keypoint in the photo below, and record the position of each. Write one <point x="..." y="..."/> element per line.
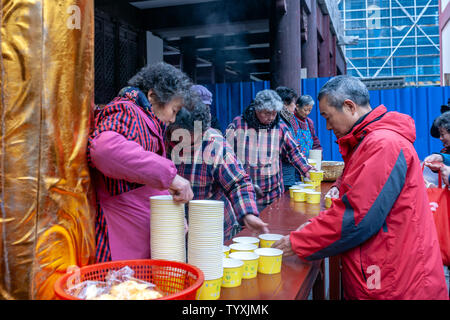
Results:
<point x="289" y="98"/>
<point x="434" y="131"/>
<point x="435" y="160"/>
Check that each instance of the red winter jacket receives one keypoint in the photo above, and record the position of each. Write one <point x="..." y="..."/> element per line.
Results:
<point x="382" y="224"/>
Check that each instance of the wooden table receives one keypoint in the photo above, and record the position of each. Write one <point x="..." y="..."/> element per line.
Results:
<point x="296" y="278"/>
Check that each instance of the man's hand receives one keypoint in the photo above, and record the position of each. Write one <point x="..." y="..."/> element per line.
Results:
<point x="333" y="193"/>
<point x="255" y="224"/>
<point x="434" y="161"/>
<point x="285" y="245"/>
<point x="181" y="190"/>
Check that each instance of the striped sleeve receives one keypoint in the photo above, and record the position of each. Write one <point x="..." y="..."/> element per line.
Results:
<point x="236" y="183"/>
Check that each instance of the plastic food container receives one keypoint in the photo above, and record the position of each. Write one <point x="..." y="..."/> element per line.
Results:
<point x="232" y="273"/>
<point x="250" y="260"/>
<point x="268" y="239"/>
<point x="269" y="260"/>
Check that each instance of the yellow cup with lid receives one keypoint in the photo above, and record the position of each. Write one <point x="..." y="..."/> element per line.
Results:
<point x="299" y="195"/>
<point x="316" y="175"/>
<point x="269" y="260"/>
<point x="232" y="273"/>
<point x="313" y="197"/>
<point x="267" y="239"/>
<point x="250" y="259"/>
<point x="210" y="290"/>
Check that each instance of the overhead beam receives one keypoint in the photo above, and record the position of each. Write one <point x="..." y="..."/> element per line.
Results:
<point x="205" y="14"/>
<point x="240" y="39"/>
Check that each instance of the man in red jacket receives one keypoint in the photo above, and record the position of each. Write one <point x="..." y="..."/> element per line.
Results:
<point x="381" y="224"/>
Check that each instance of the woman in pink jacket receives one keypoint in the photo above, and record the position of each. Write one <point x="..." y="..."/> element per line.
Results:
<point x="128" y="158"/>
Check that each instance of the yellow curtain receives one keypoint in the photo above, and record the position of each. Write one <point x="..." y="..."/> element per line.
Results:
<point x="46" y="92"/>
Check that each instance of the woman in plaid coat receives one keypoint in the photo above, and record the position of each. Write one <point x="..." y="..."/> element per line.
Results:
<point x="261" y="141"/>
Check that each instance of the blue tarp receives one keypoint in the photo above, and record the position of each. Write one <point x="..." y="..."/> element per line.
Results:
<point x="422" y="104"/>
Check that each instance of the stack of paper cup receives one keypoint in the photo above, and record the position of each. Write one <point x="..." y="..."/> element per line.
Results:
<point x="317" y="156"/>
<point x="167" y="235"/>
<point x="205" y="237"/>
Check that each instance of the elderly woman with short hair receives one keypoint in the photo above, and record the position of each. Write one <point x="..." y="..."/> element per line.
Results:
<point x="306" y="134"/>
<point x="261" y="141"/>
<point x="127" y="155"/>
<point x="212" y="168"/>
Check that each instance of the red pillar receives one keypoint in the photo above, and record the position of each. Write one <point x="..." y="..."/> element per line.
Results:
<point x="324" y="48"/>
<point x="309" y="48"/>
<point x="285" y="44"/>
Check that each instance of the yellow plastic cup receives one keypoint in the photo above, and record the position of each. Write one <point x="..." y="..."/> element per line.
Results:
<point x="226" y="251"/>
<point x="232" y="273"/>
<point x="210" y="290"/>
<point x="268" y="239"/>
<point x="305" y="186"/>
<point x="250" y="240"/>
<point x="316" y="175"/>
<point x="299" y="195"/>
<point x="242" y="247"/>
<point x="269" y="260"/>
<point x="250" y="259"/>
<point x="328" y="202"/>
<point x="313" y="197"/>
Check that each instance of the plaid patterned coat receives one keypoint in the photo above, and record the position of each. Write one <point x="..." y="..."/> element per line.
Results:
<point x="118" y="117"/>
<point x="261" y="152"/>
<point x="216" y="174"/>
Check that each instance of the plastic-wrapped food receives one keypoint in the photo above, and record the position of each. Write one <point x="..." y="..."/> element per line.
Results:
<point x="88" y="290"/>
<point x="118" y="285"/>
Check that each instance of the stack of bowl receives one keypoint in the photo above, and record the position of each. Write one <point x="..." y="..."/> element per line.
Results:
<point x="167" y="233"/>
<point x="205" y="244"/>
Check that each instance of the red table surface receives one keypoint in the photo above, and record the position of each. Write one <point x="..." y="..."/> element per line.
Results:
<point x="296" y="277"/>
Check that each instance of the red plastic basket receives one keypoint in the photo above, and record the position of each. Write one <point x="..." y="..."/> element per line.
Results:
<point x="180" y="281"/>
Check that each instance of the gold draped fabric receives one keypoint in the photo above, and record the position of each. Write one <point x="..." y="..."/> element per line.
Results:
<point x="46" y="92"/>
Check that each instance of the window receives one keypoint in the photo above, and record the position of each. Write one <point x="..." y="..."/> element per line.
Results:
<point x="428" y="60"/>
<point x="355" y="4"/>
<point x="408" y="51"/>
<point x="404" y="71"/>
<point x="380" y="43"/>
<point x="378" y="62"/>
<point x="379" y="52"/>
<point x="359" y="33"/>
<point x="401" y="62"/>
<point x="356" y="53"/>
<point x="427" y="50"/>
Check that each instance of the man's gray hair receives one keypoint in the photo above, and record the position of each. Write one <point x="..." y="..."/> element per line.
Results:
<point x="166" y="81"/>
<point x="341" y="88"/>
<point x="305" y="100"/>
<point x="443" y="121"/>
<point x="268" y="100"/>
